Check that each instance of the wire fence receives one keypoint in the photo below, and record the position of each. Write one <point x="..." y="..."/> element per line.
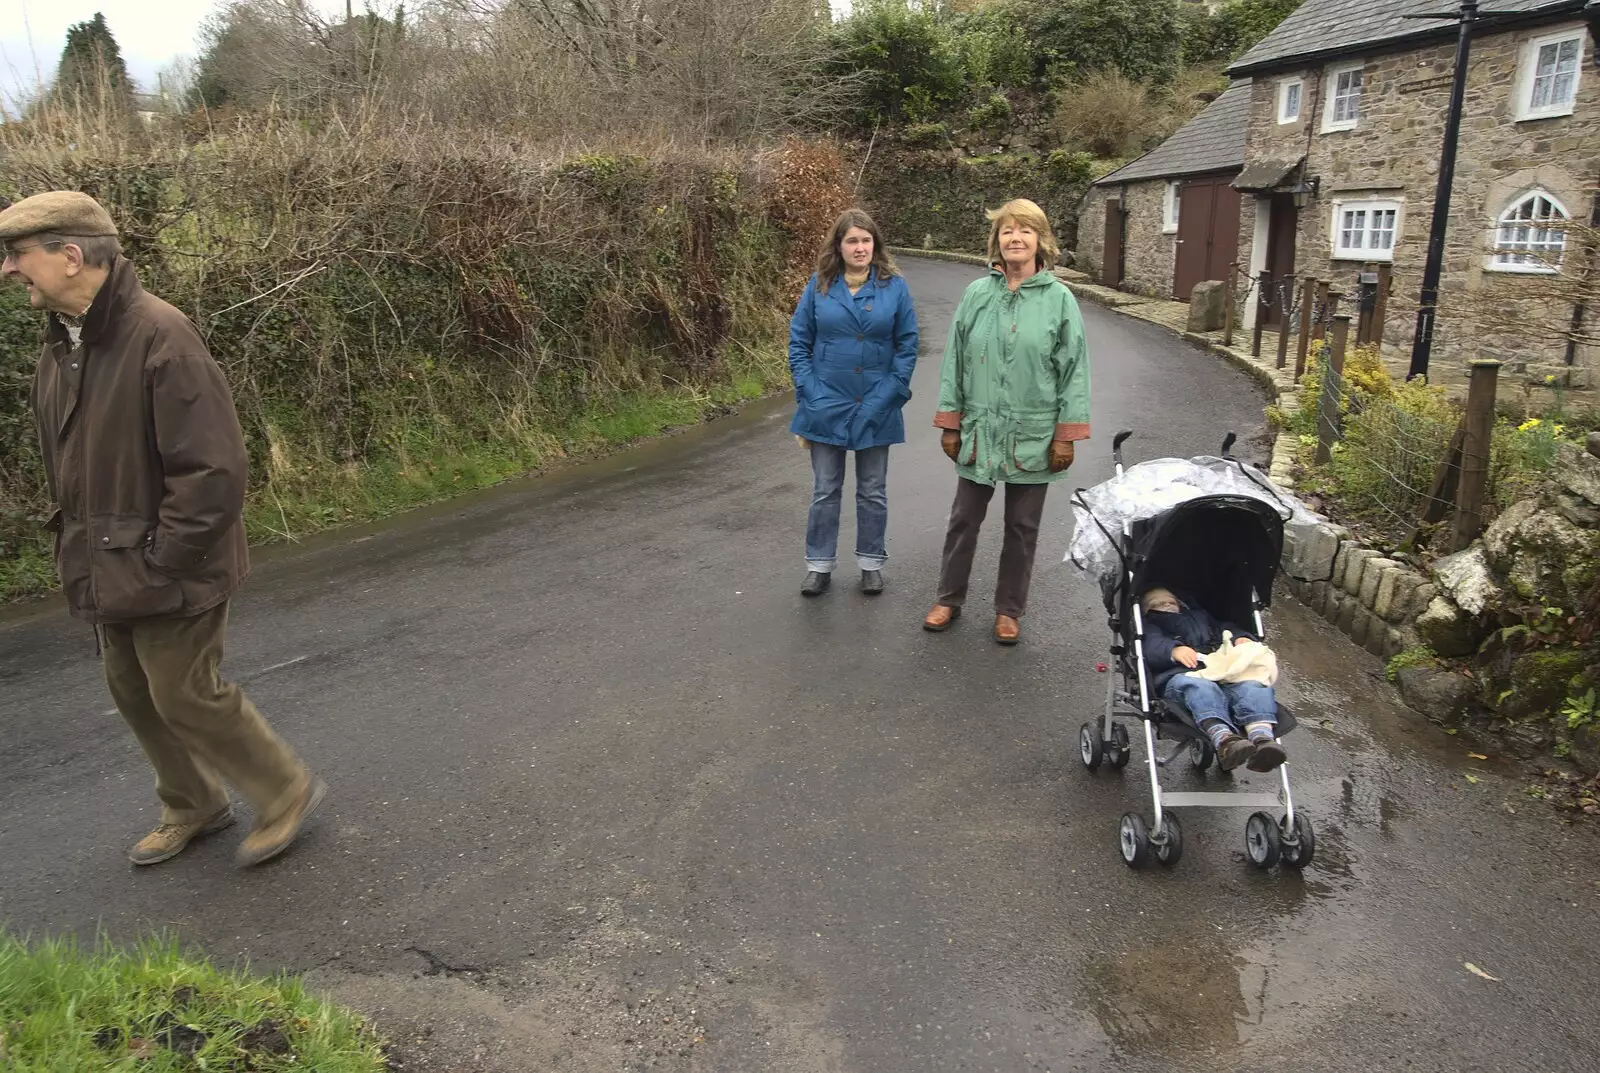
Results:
<point x="1391" y="451"/>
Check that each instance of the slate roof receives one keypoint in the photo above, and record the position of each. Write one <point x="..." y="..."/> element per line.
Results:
<point x="1211" y="141"/>
<point x="1322" y="28"/>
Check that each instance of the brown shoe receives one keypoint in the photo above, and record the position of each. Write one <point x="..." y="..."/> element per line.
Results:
<point x="940" y="618"/>
<point x="1269" y="755"/>
<point x="171" y="839"/>
<point x="1234" y="751"/>
<point x="1007" y="630"/>
<point x="265" y="843"/>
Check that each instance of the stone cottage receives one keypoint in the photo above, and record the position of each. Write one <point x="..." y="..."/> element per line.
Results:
<point x="1346" y="113"/>
<point x="1170" y="219"/>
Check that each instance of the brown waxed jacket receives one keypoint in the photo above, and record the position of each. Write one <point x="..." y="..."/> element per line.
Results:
<point x="145" y="460"/>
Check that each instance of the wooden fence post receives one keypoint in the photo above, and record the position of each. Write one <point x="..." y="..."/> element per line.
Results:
<point x="1442" y="491"/>
<point x="1308" y="301"/>
<point x="1381" y="310"/>
<point x="1321" y="329"/>
<point x="1332" y="393"/>
<point x="1364" y="305"/>
<point x="1261" y="313"/>
<point x="1478" y="426"/>
<point x="1285" y="303"/>
<point x="1227" y="315"/>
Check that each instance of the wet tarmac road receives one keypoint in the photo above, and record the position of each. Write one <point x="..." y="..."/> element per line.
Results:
<point x="607" y="794"/>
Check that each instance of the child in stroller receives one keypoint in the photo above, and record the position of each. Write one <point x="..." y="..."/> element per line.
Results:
<point x="1239" y="711"/>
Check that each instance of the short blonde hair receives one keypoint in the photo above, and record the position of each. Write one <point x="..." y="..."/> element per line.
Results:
<point x="1022" y="211"/>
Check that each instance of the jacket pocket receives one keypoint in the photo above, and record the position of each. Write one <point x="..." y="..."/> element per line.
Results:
<point x="1030" y="446"/>
<point x="125" y="584"/>
<point x="970" y="426"/>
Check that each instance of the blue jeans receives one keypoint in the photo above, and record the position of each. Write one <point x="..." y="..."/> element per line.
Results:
<point x="872" y="507"/>
<point x="1237" y="704"/>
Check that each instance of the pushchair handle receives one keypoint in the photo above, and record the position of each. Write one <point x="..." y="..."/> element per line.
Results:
<point x="1117" y="442"/>
<point x="1227" y="445"/>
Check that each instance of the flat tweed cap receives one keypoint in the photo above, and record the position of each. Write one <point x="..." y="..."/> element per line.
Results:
<point x="60" y="212"/>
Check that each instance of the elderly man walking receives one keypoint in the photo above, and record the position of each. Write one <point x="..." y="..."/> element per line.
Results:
<point x="146" y="467"/>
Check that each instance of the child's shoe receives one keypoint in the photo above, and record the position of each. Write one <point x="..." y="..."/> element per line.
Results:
<point x="1233" y="750"/>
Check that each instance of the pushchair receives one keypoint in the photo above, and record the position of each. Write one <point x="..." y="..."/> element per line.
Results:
<point x="1212" y="528"/>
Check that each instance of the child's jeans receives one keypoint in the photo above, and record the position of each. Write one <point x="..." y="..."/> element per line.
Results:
<point x="1235" y="704"/>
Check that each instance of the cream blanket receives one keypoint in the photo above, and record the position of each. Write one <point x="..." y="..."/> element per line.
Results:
<point x="1251" y="661"/>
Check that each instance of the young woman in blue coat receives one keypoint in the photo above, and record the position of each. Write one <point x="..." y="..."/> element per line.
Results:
<point x="852" y="349"/>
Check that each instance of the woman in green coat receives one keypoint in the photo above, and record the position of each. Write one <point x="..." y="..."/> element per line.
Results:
<point x="1013" y="399"/>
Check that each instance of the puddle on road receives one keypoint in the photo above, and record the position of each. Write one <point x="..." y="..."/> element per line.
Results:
<point x="1177" y="996"/>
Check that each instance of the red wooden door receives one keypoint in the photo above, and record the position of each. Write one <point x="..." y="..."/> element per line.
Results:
<point x="1194" y="233"/>
<point x="1282" y="226"/>
<point x="1111" y="271"/>
<point x="1208" y="233"/>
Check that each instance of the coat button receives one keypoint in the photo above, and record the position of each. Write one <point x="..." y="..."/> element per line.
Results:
<point x="859" y="338"/>
<point x="858" y="368"/>
<point x="74" y="365"/>
<point x="105" y="540"/>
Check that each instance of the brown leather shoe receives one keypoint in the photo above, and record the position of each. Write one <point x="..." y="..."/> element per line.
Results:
<point x="171" y="839"/>
<point x="940" y="618"/>
<point x="265" y="843"/>
<point x="1234" y="751"/>
<point x="1269" y="755"/>
<point x="1007" y="630"/>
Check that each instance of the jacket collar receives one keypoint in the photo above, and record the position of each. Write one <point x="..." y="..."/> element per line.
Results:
<point x="840" y="292"/>
<point x="1038" y="279"/>
<point x="119" y="290"/>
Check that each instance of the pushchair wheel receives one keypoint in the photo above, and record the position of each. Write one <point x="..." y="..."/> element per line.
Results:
<point x="1299" y="843"/>
<point x="1201" y="753"/>
<point x="1091" y="745"/>
<point x="1170" y="847"/>
<point x="1117" y="749"/>
<point x="1135" y="840"/>
<point x="1261" y="840"/>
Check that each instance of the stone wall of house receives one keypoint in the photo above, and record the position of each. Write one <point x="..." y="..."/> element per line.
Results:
<point x="1091" y="251"/>
<point x="1149" y="260"/>
<point x="1151" y="254"/>
<point x="1394" y="153"/>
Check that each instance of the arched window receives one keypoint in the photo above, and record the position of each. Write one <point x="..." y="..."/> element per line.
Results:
<point x="1531" y="235"/>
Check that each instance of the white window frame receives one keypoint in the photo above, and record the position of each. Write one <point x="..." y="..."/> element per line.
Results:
<point x="1499" y="259"/>
<point x="1367" y="206"/>
<point x="1284" y="87"/>
<point x="1330" y="97"/>
<point x="1529" y="76"/>
<point x="1171" y="206"/>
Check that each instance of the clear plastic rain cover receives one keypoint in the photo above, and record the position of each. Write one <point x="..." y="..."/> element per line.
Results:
<point x="1149" y="488"/>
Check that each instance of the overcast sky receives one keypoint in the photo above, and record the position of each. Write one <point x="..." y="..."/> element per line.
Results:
<point x="150" y="33"/>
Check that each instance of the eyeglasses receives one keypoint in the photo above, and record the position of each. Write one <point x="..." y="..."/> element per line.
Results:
<point x="12" y="251"/>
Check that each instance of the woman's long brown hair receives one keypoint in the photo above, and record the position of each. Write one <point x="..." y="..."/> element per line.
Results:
<point x="830" y="265"/>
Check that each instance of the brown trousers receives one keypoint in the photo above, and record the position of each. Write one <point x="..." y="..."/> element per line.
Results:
<point x="198" y="730"/>
<point x="1024" y="508"/>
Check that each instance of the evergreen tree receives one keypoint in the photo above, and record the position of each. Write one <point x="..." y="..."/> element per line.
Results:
<point x="92" y="73"/>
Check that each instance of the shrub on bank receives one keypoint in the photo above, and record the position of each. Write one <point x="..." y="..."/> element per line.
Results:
<point x="403" y="313"/>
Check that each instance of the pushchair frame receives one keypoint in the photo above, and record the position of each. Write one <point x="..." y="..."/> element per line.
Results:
<point x="1268" y="839"/>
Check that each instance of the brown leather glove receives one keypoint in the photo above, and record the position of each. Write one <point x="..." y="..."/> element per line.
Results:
<point x="950" y="444"/>
<point x="1061" y="455"/>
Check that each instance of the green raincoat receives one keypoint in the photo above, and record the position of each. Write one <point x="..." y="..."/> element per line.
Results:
<point x="1015" y="377"/>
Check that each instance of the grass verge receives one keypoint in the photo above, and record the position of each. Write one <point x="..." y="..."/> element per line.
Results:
<point x="296" y="505"/>
<point x="153" y="1008"/>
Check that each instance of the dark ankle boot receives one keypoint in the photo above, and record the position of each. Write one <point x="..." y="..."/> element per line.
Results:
<point x="816" y="583"/>
<point x="872" y="582"/>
